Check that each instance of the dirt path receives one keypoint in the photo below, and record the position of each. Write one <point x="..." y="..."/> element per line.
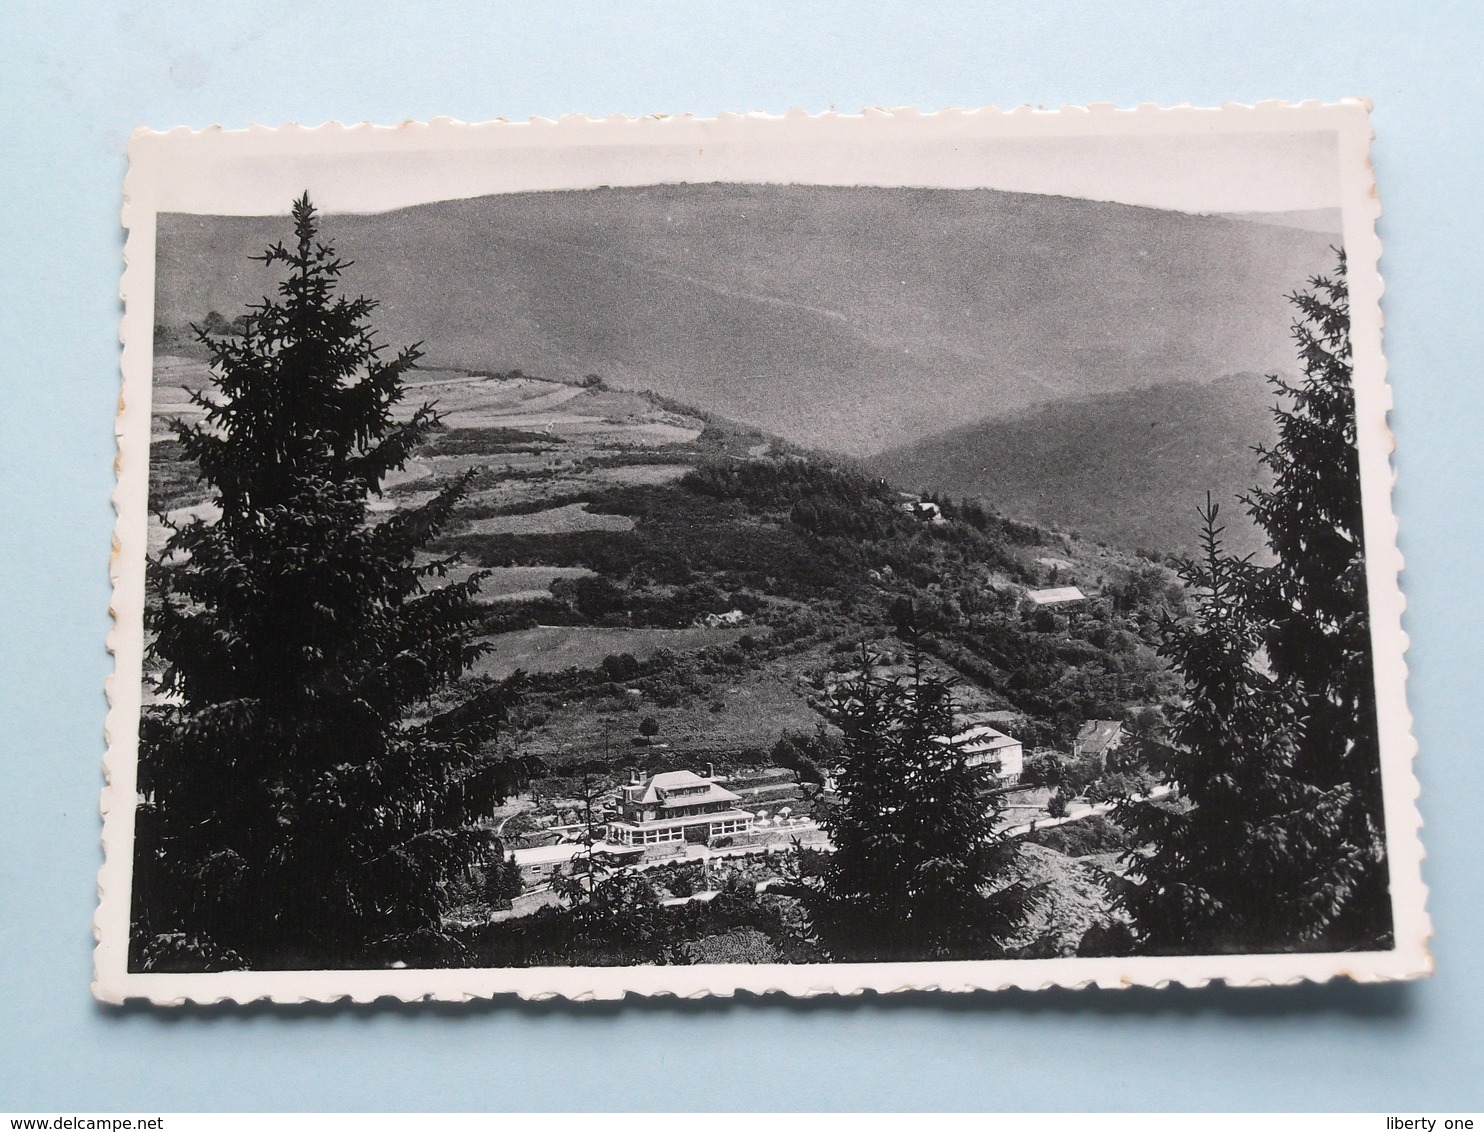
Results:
<point x="1078" y="813"/>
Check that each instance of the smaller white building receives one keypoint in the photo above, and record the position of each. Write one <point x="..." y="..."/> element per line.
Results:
<point x="924" y="511"/>
<point x="985" y="745"/>
<point x="542" y="862"/>
<point x="1057" y="595"/>
<point x="721" y="620"/>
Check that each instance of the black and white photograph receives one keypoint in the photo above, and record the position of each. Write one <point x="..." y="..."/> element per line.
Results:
<point x="808" y="554"/>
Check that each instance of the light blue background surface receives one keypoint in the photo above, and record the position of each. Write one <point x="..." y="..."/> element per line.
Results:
<point x="76" y="78"/>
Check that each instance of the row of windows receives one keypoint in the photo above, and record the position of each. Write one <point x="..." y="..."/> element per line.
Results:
<point x="648" y="836"/>
<point x="677" y="833"/>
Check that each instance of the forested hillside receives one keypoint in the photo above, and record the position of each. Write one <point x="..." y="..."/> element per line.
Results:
<point x="848" y="320"/>
<point x="611" y="534"/>
<point x="1125" y="468"/>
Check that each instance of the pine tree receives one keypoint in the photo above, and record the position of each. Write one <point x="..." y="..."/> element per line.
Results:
<point x="1314" y="598"/>
<point x="918" y="870"/>
<point x="304" y="801"/>
<point x="502" y="879"/>
<point x="606" y="907"/>
<point x="1237" y="867"/>
<point x="1276" y="746"/>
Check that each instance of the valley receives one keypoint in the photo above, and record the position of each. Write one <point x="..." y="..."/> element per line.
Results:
<point x="674" y="591"/>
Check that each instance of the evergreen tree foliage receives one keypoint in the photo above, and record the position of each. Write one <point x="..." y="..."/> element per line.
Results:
<point x="918" y="871"/>
<point x="1237" y="866"/>
<point x="1314" y="600"/>
<point x="304" y="799"/>
<point x="607" y="909"/>
<point x="604" y="907"/>
<point x="1276" y="748"/>
<point x="502" y="879"/>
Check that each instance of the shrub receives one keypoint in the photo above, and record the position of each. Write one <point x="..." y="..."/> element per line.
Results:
<point x="1096" y="834"/>
<point x="802" y="753"/>
<point x="621" y="666"/>
<point x="1122" y="784"/>
<point x="502" y="880"/>
<point x="1042" y="768"/>
<point x="597" y="597"/>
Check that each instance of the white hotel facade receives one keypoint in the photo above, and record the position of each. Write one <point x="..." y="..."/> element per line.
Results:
<point x="678" y="805"/>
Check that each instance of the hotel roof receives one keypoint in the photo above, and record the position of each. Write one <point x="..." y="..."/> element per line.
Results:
<point x="692" y="789"/>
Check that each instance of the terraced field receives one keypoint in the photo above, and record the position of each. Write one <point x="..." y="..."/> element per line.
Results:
<point x="556" y="521"/>
<point x="511" y="583"/>
<point x="601" y="548"/>
<point x="555" y="648"/>
<point x="527" y="440"/>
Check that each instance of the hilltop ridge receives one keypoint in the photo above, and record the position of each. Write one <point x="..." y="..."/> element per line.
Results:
<point x="848" y="320"/>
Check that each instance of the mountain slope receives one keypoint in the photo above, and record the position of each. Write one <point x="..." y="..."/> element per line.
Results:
<point x="845" y="319"/>
<point x="1126" y="468"/>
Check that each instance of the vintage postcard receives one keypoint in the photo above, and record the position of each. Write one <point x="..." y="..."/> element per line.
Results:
<point x="803" y="554"/>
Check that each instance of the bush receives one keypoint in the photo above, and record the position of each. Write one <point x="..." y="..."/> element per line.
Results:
<point x="1095" y="834"/>
<point x="596" y="597"/>
<point x="1078" y="775"/>
<point x="620" y="667"/>
<point x="1111" y="939"/>
<point x="740" y="945"/>
<point x="751" y="756"/>
<point x="1042" y="768"/>
<point x="1122" y="784"/>
<point x="502" y="881"/>
<point x="801" y="753"/>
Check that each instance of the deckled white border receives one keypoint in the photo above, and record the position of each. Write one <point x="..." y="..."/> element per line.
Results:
<point x="215" y="171"/>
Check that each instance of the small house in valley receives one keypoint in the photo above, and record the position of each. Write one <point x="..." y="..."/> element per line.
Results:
<point x="1099" y="738"/>
<point x="925" y="512"/>
<point x="985" y="745"/>
<point x="721" y="620"/>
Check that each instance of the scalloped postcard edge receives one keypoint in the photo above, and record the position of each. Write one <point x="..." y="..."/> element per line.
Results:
<point x="215" y="171"/>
